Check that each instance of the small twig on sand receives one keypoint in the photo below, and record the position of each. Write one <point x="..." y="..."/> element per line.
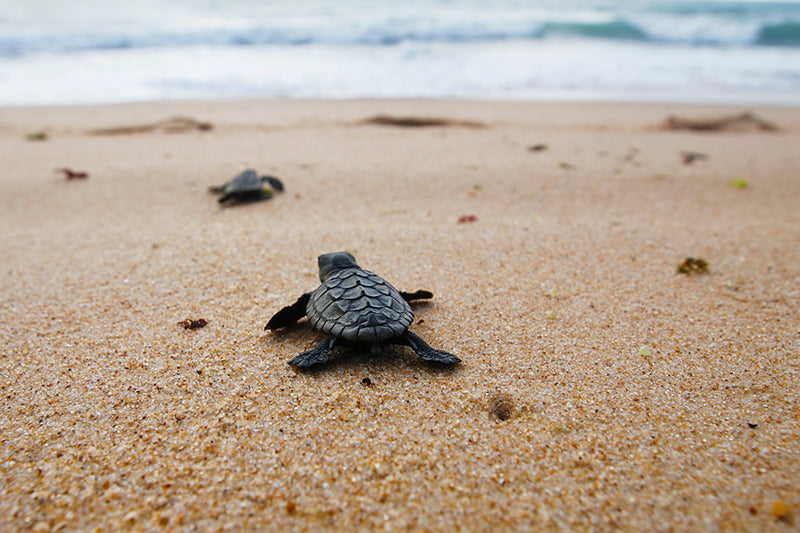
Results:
<point x="739" y="121"/>
<point x="170" y="125"/>
<point x="72" y="174"/>
<point x="419" y="122"/>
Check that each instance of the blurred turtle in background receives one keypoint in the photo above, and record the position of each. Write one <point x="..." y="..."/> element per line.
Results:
<point x="247" y="187"/>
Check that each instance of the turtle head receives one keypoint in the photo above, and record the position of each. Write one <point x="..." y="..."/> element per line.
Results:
<point x="330" y="263"/>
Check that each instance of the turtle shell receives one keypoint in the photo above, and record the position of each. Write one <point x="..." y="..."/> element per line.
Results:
<point x="357" y="305"/>
<point x="247" y="181"/>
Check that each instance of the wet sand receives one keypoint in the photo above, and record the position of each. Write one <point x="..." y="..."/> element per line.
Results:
<point x="600" y="389"/>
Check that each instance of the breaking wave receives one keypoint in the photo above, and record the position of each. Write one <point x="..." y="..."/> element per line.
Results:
<point x="393" y="32"/>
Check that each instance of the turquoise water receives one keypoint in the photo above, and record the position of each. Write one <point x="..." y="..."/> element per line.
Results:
<point x="87" y="51"/>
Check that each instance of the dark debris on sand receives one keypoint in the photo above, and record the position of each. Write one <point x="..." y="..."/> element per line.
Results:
<point x="693" y="265"/>
<point x="419" y="122"/>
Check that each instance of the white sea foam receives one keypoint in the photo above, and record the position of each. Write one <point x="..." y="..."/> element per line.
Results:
<point x="89" y="51"/>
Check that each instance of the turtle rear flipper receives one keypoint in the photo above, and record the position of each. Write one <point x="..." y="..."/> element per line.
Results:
<point x="427" y="352"/>
<point x="317" y="355"/>
<point x="289" y="314"/>
<point x="419" y="295"/>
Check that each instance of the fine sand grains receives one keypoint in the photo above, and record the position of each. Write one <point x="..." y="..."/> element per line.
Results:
<point x="600" y="388"/>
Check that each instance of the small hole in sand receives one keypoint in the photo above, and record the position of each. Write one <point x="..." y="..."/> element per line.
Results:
<point x="501" y="406"/>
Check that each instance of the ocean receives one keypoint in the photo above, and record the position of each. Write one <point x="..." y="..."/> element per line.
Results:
<point x="704" y="51"/>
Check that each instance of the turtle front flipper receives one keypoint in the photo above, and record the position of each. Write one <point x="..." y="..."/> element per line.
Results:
<point x="419" y="295"/>
<point x="274" y="182"/>
<point x="317" y="355"/>
<point x="289" y="314"/>
<point x="427" y="352"/>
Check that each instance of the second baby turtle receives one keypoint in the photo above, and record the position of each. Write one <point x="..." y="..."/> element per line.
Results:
<point x="353" y="305"/>
<point x="247" y="187"/>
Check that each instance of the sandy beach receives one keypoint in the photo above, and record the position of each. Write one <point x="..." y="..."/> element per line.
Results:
<point x="600" y="389"/>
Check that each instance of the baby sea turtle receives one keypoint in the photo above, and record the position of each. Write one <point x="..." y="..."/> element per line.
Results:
<point x="247" y="187"/>
<point x="354" y="305"/>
